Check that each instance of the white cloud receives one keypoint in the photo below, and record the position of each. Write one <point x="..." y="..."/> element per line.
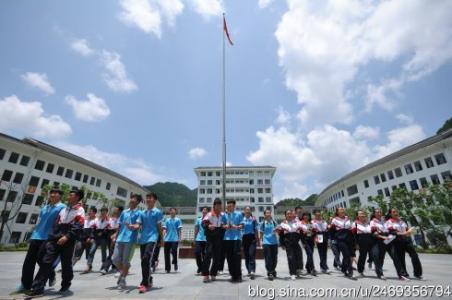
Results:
<point x="93" y="109"/>
<point x="324" y="154"/>
<point x="405" y="119"/>
<point x="147" y="15"/>
<point x="39" y="81"/>
<point x="30" y="118"/>
<point x="323" y="45"/>
<point x="283" y="117"/>
<point x="115" y="75"/>
<point x="82" y="47"/>
<point x="135" y="169"/>
<point x="264" y="3"/>
<point x="208" y="8"/>
<point x="366" y="132"/>
<point x="197" y="153"/>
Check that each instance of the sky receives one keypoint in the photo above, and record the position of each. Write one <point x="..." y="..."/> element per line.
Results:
<point x="314" y="88"/>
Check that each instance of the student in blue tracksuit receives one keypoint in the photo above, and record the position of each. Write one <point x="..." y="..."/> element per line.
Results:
<point x="151" y="220"/>
<point x="126" y="237"/>
<point x="250" y="240"/>
<point x="270" y="243"/>
<point x="172" y="228"/>
<point x="200" y="240"/>
<point x="232" y="223"/>
<point x="47" y="218"/>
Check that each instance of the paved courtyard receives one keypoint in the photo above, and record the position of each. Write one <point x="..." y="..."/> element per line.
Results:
<point x="185" y="285"/>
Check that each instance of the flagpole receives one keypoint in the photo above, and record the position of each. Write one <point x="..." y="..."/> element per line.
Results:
<point x="224" y="116"/>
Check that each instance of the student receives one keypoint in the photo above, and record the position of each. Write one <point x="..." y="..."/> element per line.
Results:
<point x="320" y="227"/>
<point x="232" y="223"/>
<point x="333" y="243"/>
<point x="90" y="241"/>
<point x="112" y="231"/>
<point x="250" y="240"/>
<point x="367" y="240"/>
<point x="172" y="228"/>
<point x="298" y="216"/>
<point x="155" y="257"/>
<point x="307" y="236"/>
<point x="151" y="220"/>
<point x="61" y="241"/>
<point x="342" y="227"/>
<point x="200" y="240"/>
<point x="126" y="237"/>
<point x="402" y="244"/>
<point x="101" y="238"/>
<point x="47" y="217"/>
<point x="268" y="229"/>
<point x="214" y="232"/>
<point x="289" y="231"/>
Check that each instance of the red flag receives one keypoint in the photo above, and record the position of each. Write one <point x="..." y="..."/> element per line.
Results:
<point x="225" y="28"/>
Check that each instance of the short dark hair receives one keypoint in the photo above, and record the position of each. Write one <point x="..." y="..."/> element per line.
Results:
<point x="93" y="208"/>
<point x="316" y="210"/>
<point x="287" y="211"/>
<point x="120" y="208"/>
<point x="138" y="197"/>
<point x="217" y="201"/>
<point x="208" y="208"/>
<point x="306" y="214"/>
<point x="171" y="208"/>
<point x="152" y="195"/>
<point x="104" y="208"/>
<point x="298" y="207"/>
<point x="230" y="201"/>
<point x="80" y="193"/>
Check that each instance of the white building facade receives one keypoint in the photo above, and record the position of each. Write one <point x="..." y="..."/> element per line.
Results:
<point x="27" y="165"/>
<point x="414" y="167"/>
<point x="248" y="186"/>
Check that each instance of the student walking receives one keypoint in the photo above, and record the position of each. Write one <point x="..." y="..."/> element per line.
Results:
<point x="268" y="229"/>
<point x="172" y="228"/>
<point x="90" y="241"/>
<point x="112" y="231"/>
<point x="342" y="227"/>
<point x="200" y="240"/>
<point x="307" y="236"/>
<point x="289" y="231"/>
<point x="101" y="239"/>
<point x="320" y="227"/>
<point x="250" y="240"/>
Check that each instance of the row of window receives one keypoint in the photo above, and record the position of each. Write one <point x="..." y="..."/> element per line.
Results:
<point x="218" y="173"/>
<point x="253" y="208"/>
<point x="236" y="190"/>
<point x="251" y="199"/>
<point x="236" y="181"/>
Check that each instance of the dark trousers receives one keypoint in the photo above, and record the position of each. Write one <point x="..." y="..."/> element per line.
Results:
<point x="337" y="254"/>
<point x="108" y="261"/>
<point x="104" y="245"/>
<point x="309" y="248"/>
<point x="399" y="248"/>
<point x="35" y="253"/>
<point x="322" y="249"/>
<point x="233" y="251"/>
<point x="222" y="258"/>
<point x="155" y="257"/>
<point x="271" y="258"/>
<point x="301" y="244"/>
<point x="377" y="258"/>
<point x="345" y="248"/>
<point x="369" y="248"/>
<point x="249" y="249"/>
<point x="52" y="251"/>
<point x="170" y="248"/>
<point x="200" y="253"/>
<point x="79" y="248"/>
<point x="211" y="262"/>
<point x="146" y="254"/>
<point x="294" y="253"/>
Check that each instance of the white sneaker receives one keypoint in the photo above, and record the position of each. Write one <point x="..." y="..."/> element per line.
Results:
<point x="117" y="274"/>
<point x="293" y="277"/>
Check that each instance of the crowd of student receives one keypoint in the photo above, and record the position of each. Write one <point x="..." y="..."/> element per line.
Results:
<point x="63" y="233"/>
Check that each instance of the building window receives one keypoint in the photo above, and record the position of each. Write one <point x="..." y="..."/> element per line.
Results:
<point x="44" y="183"/>
<point x="69" y="173"/>
<point x="209" y="174"/>
<point x="446" y="176"/>
<point x="39" y="165"/>
<point x="33" y="219"/>
<point x="423" y="182"/>
<point x="435" y="179"/>
<point x="218" y="173"/>
<point x="414" y="186"/>
<point x="18" y="178"/>
<point x="108" y="186"/>
<point x="260" y="190"/>
<point x="50" y="168"/>
<point x="209" y="191"/>
<point x="85" y="178"/>
<point x="352" y="190"/>
<point x="366" y="183"/>
<point x="14" y="157"/>
<point x="11" y="196"/>
<point x="209" y="182"/>
<point x="92" y="181"/>
<point x="78" y="176"/>
<point x="252" y="199"/>
<point x="409" y="169"/>
<point x="251" y="181"/>
<point x="376" y="179"/>
<point x="380" y="192"/>
<point x="440" y="159"/>
<point x="21" y="218"/>
<point x="98" y="182"/>
<point x="2" y="153"/>
<point x="15" y="237"/>
<point x="2" y="194"/>
<point x="203" y="173"/>
<point x="34" y="181"/>
<point x="260" y="199"/>
<point x="28" y="199"/>
<point x="202" y="182"/>
<point x="267" y="181"/>
<point x="24" y="160"/>
<point x="260" y="181"/>
<point x="7" y="174"/>
<point x="390" y="175"/>
<point x="383" y="177"/>
<point x="402" y="185"/>
<point x="398" y="172"/>
<point x="60" y="171"/>
<point x="121" y="192"/>
<point x="428" y="162"/>
<point x="268" y="190"/>
<point x="418" y="166"/>
<point x="387" y="194"/>
<point x="394" y="187"/>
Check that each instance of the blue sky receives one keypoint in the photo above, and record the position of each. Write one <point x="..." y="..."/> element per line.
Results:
<point x="316" y="89"/>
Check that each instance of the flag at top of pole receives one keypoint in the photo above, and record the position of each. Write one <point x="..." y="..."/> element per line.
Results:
<point x="226" y="32"/>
